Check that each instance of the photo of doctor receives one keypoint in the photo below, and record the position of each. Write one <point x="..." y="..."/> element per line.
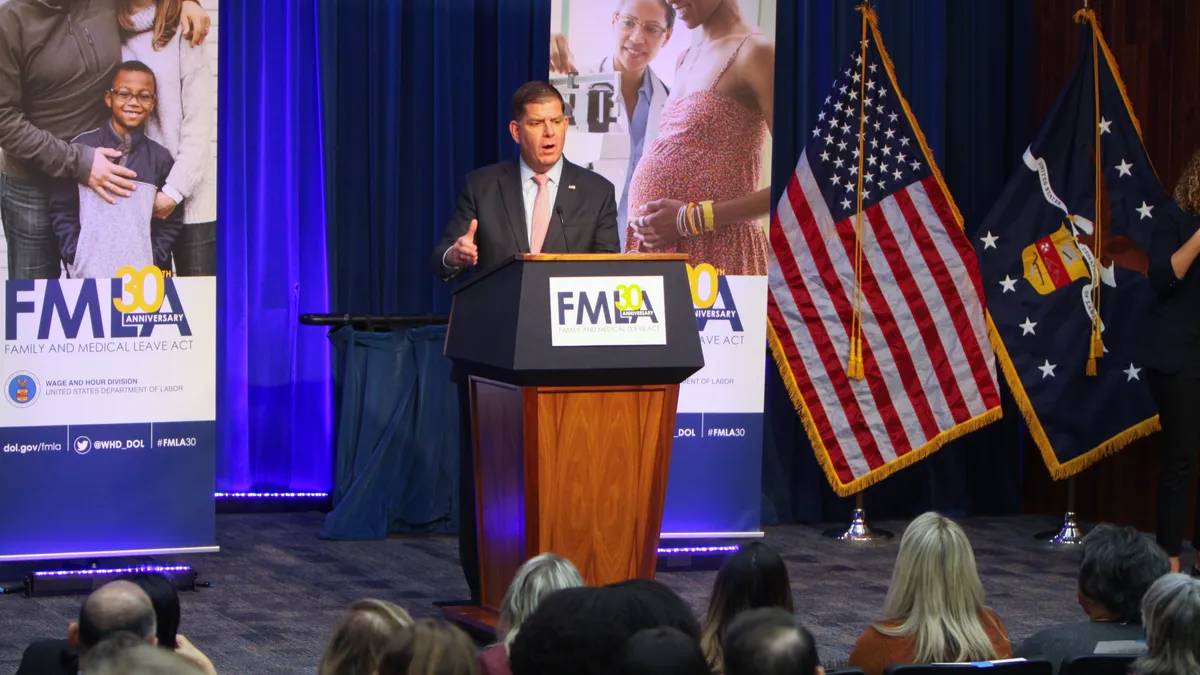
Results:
<point x="640" y="29"/>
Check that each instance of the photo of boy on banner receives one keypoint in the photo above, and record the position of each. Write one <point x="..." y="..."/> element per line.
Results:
<point x="52" y="90"/>
<point x="97" y="238"/>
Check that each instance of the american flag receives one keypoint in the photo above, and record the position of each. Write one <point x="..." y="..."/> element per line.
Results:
<point x="928" y="364"/>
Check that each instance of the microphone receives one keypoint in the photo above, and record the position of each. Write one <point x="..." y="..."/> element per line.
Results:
<point x="563" y="226"/>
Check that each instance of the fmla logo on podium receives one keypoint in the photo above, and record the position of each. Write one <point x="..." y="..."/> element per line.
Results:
<point x="607" y="311"/>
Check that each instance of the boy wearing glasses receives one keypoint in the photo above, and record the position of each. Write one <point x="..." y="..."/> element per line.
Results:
<point x="97" y="238"/>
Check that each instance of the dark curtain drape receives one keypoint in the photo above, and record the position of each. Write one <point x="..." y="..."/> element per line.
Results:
<point x="966" y="71"/>
<point x="397" y="442"/>
<point x="274" y="377"/>
<point x="416" y="93"/>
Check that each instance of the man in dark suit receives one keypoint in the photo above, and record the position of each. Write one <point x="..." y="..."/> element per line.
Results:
<point x="118" y="606"/>
<point x="539" y="203"/>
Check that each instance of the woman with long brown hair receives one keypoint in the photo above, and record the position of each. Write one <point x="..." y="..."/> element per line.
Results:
<point x="754" y="577"/>
<point x="1172" y="357"/>
<point x="182" y="122"/>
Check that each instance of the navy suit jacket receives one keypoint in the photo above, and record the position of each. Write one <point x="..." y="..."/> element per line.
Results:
<point x="492" y="195"/>
<point x="1173" y="322"/>
<point x="49" y="657"/>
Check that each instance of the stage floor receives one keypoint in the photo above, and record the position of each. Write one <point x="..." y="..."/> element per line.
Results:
<point x="279" y="589"/>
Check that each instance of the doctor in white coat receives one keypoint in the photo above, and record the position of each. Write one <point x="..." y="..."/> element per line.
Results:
<point x="640" y="29"/>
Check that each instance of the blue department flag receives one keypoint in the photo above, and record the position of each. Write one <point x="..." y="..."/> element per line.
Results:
<point x="1038" y="254"/>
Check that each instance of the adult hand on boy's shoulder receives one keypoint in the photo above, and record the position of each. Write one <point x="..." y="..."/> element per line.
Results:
<point x="164" y="206"/>
<point x="108" y="178"/>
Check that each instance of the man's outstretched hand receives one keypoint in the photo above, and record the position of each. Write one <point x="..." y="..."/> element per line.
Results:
<point x="464" y="252"/>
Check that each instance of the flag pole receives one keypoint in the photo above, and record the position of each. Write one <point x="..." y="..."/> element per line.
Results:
<point x="854" y="364"/>
<point x="859" y="530"/>
<point x="1069" y="534"/>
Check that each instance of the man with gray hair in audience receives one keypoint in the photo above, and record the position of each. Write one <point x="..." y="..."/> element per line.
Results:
<point x="769" y="641"/>
<point x="114" y="607"/>
<point x="1117" y="567"/>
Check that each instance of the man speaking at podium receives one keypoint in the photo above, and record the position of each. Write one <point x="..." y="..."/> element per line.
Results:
<point x="539" y="203"/>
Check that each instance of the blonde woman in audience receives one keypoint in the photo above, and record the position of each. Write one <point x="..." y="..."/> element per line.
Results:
<point x="360" y="637"/>
<point x="537" y="578"/>
<point x="753" y="577"/>
<point x="430" y="647"/>
<point x="934" y="611"/>
<point x="1171" y="614"/>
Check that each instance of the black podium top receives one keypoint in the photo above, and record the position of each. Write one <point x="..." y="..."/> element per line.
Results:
<point x="582" y="319"/>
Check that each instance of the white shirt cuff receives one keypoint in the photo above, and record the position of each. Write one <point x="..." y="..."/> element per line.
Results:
<point x="172" y="193"/>
<point x="446" y="264"/>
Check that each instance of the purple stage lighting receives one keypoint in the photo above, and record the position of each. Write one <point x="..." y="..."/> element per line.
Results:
<point x="270" y="495"/>
<point x="698" y="550"/>
<point x="139" y="569"/>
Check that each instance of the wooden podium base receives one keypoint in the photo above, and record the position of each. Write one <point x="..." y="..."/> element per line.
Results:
<point x="478" y="622"/>
<point x="576" y="471"/>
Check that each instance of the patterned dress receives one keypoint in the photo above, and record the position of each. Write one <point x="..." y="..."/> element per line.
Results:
<point x="709" y="147"/>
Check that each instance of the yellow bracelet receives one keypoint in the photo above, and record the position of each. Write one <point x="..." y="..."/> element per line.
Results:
<point x="690" y="219"/>
<point x="710" y="223"/>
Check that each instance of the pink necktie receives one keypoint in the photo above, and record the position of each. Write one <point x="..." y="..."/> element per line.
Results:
<point x="541" y="213"/>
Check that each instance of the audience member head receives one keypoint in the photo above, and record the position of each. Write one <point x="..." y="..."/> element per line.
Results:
<point x="1171" y="614"/>
<point x="429" y="647"/>
<point x="145" y="660"/>
<point x="107" y="649"/>
<point x="582" y="631"/>
<point x="115" y="606"/>
<point x="165" y="599"/>
<point x="1117" y="568"/>
<point x="769" y="641"/>
<point x="361" y="636"/>
<point x="936" y="594"/>
<point x="537" y="578"/>
<point x="662" y="651"/>
<point x="755" y="576"/>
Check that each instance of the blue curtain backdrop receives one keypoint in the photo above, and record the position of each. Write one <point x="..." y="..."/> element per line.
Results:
<point x="274" y="375"/>
<point x="966" y="71"/>
<point x="416" y="95"/>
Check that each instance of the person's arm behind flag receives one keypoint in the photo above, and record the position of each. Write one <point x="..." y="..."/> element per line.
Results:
<point x="1170" y="255"/>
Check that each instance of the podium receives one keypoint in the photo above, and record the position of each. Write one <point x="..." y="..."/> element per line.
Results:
<point x="574" y="364"/>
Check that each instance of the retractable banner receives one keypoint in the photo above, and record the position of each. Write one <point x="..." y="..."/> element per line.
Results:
<point x="676" y="125"/>
<point x="108" y="423"/>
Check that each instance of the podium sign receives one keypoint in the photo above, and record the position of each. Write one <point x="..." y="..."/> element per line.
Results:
<point x="607" y="311"/>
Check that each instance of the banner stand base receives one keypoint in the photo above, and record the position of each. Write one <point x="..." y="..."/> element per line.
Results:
<point x="693" y="555"/>
<point x="83" y="581"/>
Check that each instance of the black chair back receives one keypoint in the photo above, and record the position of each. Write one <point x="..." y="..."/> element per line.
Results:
<point x="1097" y="664"/>
<point x="1031" y="667"/>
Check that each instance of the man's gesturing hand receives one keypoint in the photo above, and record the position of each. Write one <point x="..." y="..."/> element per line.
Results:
<point x="465" y="253"/>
